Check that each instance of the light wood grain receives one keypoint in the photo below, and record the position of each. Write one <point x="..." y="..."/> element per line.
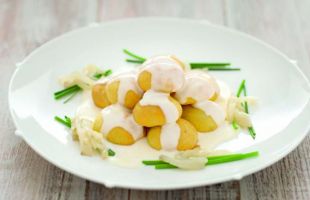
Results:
<point x="25" y="25"/>
<point x="279" y="26"/>
<point x="303" y="15"/>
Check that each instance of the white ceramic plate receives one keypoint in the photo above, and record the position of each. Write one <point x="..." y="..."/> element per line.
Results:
<point x="281" y="119"/>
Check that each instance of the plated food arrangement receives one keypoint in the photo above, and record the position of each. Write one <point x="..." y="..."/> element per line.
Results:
<point x="161" y="113"/>
<point x="279" y="118"/>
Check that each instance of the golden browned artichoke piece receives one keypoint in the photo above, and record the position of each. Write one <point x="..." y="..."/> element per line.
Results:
<point x="187" y="137"/>
<point x="123" y="89"/>
<point x="99" y="95"/>
<point x="198" y="86"/>
<point x="118" y="125"/>
<point x="161" y="73"/>
<point x="205" y="116"/>
<point x="150" y="115"/>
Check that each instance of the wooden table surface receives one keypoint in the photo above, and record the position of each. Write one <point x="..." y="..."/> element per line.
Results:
<point x="27" y="24"/>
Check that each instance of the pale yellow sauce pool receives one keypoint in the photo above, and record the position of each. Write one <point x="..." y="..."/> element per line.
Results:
<point x="131" y="156"/>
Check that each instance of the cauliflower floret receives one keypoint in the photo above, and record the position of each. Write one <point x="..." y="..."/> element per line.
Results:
<point x="91" y="142"/>
<point x="81" y="78"/>
<point x="235" y="110"/>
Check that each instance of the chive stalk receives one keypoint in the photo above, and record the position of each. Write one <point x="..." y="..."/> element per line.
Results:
<point x="241" y="88"/>
<point x="223" y="69"/>
<point x="135" y="61"/>
<point x="212" y="160"/>
<point x="165" y="166"/>
<point x="232" y="158"/>
<point x="105" y="73"/>
<point x="111" y="152"/>
<point x="66" y="121"/>
<point x="157" y="162"/>
<point x="133" y="55"/>
<point x="98" y="75"/>
<point x="208" y="65"/>
<point x="246" y="109"/>
<point x="67" y="91"/>
<point x="216" y="160"/>
<point x="153" y="162"/>
<point x="64" y="90"/>
<point x="252" y="132"/>
<point x="235" y="125"/>
<point x="216" y="66"/>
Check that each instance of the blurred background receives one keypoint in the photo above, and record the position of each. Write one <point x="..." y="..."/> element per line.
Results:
<point x="27" y="24"/>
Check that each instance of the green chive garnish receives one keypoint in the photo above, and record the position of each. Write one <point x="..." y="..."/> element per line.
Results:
<point x="216" y="66"/>
<point x="73" y="90"/>
<point x="111" y="152"/>
<point x="134" y="55"/>
<point x="157" y="162"/>
<point x="252" y="132"/>
<point x="241" y="88"/>
<point x="135" y="61"/>
<point x="235" y="125"/>
<point x="231" y="158"/>
<point x="213" y="66"/>
<point x="165" y="166"/>
<point x="223" y="69"/>
<point x="153" y="162"/>
<point x="208" y="65"/>
<point x="67" y="91"/>
<point x="212" y="160"/>
<point x="98" y="75"/>
<point x="105" y="73"/>
<point x="66" y="121"/>
<point x="74" y="87"/>
<point x="246" y="109"/>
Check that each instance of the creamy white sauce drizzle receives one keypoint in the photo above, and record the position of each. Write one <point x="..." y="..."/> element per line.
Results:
<point x="212" y="109"/>
<point x="87" y="109"/>
<point x="214" y="82"/>
<point x="160" y="59"/>
<point x="118" y="116"/>
<point x="131" y="156"/>
<point x="165" y="76"/>
<point x="134" y="129"/>
<point x="169" y="137"/>
<point x="160" y="99"/>
<point x="209" y="141"/>
<point x="127" y="82"/>
<point x="197" y="86"/>
<point x="225" y="94"/>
